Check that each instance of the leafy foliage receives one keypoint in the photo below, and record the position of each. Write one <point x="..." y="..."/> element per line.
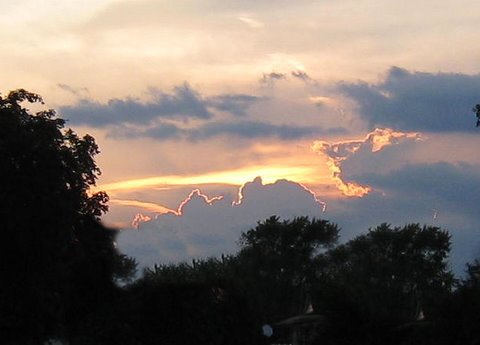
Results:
<point x="385" y="279"/>
<point x="55" y="256"/>
<point x="175" y="304"/>
<point x="275" y="263"/>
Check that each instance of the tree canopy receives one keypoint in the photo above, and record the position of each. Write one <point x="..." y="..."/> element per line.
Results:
<point x="51" y="235"/>
<point x="384" y="279"/>
<point x="275" y="262"/>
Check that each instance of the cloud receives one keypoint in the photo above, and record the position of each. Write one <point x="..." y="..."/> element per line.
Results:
<point x="337" y="153"/>
<point x="161" y="131"/>
<point x="455" y="186"/>
<point x="253" y="129"/>
<point x="411" y="193"/>
<point x="208" y="227"/>
<point x="182" y="103"/>
<point x="236" y="104"/>
<point x="72" y="90"/>
<point x="418" y="101"/>
<point x="252" y="23"/>
<point x="272" y="77"/>
<point x="302" y="75"/>
<point x="237" y="129"/>
<point x="442" y="194"/>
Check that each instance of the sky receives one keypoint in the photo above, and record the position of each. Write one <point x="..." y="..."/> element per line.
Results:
<point x="213" y="115"/>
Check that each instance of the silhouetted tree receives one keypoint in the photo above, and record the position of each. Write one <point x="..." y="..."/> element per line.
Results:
<point x="458" y="318"/>
<point x="56" y="259"/>
<point x="191" y="303"/>
<point x="381" y="283"/>
<point x="275" y="264"/>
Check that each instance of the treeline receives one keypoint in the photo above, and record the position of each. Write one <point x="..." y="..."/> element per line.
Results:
<point x="290" y="282"/>
<point x="389" y="286"/>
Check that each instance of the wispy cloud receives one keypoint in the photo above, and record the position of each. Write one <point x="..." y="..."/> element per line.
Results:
<point x="272" y="77"/>
<point x="79" y="92"/>
<point x="251" y="22"/>
<point x="302" y="75"/>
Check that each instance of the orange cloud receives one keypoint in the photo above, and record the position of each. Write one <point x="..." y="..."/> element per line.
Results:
<point x="149" y="206"/>
<point x="337" y="153"/>
<point x="270" y="174"/>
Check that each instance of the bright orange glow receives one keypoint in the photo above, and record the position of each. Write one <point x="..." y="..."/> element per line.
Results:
<point x="149" y="206"/>
<point x="138" y="219"/>
<point x="347" y="188"/>
<point x="382" y="137"/>
<point x="193" y="193"/>
<point x="337" y="153"/>
<point x="303" y="174"/>
<point x="156" y="208"/>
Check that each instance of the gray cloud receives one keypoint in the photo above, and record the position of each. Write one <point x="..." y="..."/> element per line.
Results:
<point x="253" y="129"/>
<point x="302" y="75"/>
<point x="161" y="131"/>
<point x="236" y="104"/>
<point x="182" y="103"/>
<point x="441" y="194"/>
<point x="208" y="229"/>
<point x="437" y="102"/>
<point x="455" y="186"/>
<point x="270" y="78"/>
<point x="73" y="90"/>
<point x="238" y="129"/>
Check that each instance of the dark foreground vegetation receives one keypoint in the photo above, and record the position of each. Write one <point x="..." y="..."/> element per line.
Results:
<point x="62" y="278"/>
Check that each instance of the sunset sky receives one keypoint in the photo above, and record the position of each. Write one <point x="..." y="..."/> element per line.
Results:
<point x="362" y="109"/>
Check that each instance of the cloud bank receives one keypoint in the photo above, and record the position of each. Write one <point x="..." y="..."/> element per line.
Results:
<point x="418" y="101"/>
<point x="441" y="194"/>
<point x="181" y="104"/>
<point x="207" y="227"/>
<point x="338" y="152"/>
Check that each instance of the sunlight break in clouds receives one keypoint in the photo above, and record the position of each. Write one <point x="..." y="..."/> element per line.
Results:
<point x="159" y="209"/>
<point x="211" y="226"/>
<point x="233" y="177"/>
<point x="337" y="153"/>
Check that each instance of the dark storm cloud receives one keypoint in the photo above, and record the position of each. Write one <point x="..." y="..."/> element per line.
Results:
<point x="182" y="103"/>
<point x="436" y="102"/>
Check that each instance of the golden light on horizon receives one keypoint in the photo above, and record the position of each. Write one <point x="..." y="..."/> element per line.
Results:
<point x="301" y="174"/>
